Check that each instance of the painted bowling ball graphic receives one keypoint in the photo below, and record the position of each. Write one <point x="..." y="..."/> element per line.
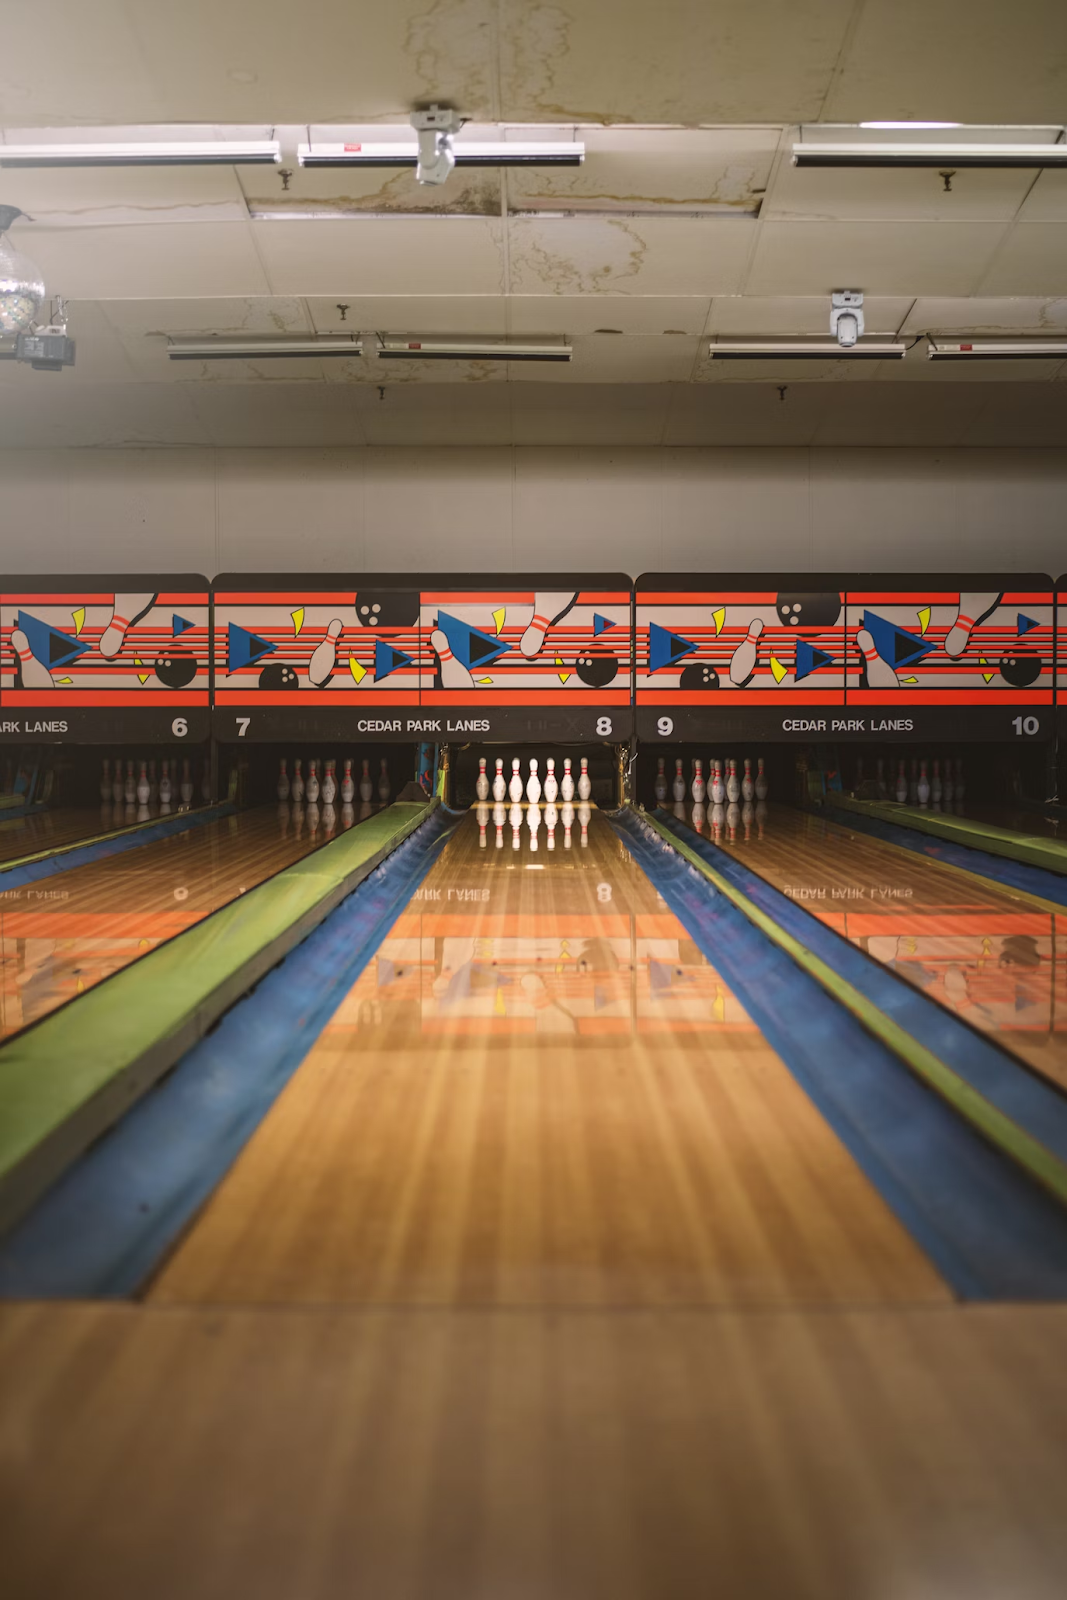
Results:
<point x="596" y="667"/>
<point x="699" y="675"/>
<point x="387" y="608"/>
<point x="1021" y="668"/>
<point x="808" y="610"/>
<point x="276" y="675"/>
<point x="175" y="668"/>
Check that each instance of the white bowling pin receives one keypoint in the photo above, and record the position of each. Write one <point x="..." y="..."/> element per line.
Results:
<point x="678" y="786"/>
<point x="313" y="787"/>
<point x="733" y="817"/>
<point x="500" y="788"/>
<point x="743" y="660"/>
<point x="366" y="785"/>
<point x="698" y="788"/>
<point x="166" y="791"/>
<point x="454" y="675"/>
<point x="384" y="788"/>
<point x="324" y="657"/>
<point x="762" y="787"/>
<point x="348" y="784"/>
<point x="185" y="790"/>
<point x="481" y="811"/>
<point x="105" y="781"/>
<point x="515" y="818"/>
<point x="117" y="785"/>
<point x="551" y="819"/>
<point x="733" y="784"/>
<point x="143" y="789"/>
<point x="329" y="785"/>
<point x="718" y="786"/>
<point x="533" y="822"/>
<point x="748" y="788"/>
<point x="585" y="787"/>
<point x="129" y="788"/>
<point x="923" y="787"/>
<point x="880" y="674"/>
<point x="515" y="786"/>
<point x="660" y="790"/>
<point x="533" y="783"/>
<point x="551" y="785"/>
<point x="566" y="785"/>
<point x="31" y="672"/>
<point x="481" y="787"/>
<point x="128" y="609"/>
<point x="282" y="789"/>
<point x="584" y="815"/>
<point x="902" y="784"/>
<point x="548" y="608"/>
<point x="297" y="787"/>
<point x="974" y="608"/>
<point x="697" y="815"/>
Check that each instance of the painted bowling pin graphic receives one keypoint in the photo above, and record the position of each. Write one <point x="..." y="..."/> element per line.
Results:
<point x="481" y="787"/>
<point x="515" y="786"/>
<point x="743" y="660"/>
<point x="454" y="675"/>
<point x="974" y="608"/>
<point x="128" y="609"/>
<point x="551" y="785"/>
<point x="500" y="787"/>
<point x="533" y="783"/>
<point x="660" y="789"/>
<point x="549" y="608"/>
<point x="566" y="787"/>
<point x="31" y="672"/>
<point x="879" y="673"/>
<point x="324" y="656"/>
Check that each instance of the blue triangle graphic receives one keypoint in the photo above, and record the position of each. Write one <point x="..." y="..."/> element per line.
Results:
<point x="469" y="645"/>
<point x="895" y="645"/>
<point x="51" y="647"/>
<point x="664" y="648"/>
<point x="244" y="649"/>
<point x="602" y="624"/>
<point x="659" y="976"/>
<point x="180" y="624"/>
<point x="1026" y="623"/>
<point x="387" y="659"/>
<point x="809" y="659"/>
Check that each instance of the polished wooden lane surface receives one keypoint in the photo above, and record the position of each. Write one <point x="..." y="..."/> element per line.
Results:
<point x="48" y="830"/>
<point x="324" y="1454"/>
<point x="540" y="1094"/>
<point x="66" y="933"/>
<point x="993" y="955"/>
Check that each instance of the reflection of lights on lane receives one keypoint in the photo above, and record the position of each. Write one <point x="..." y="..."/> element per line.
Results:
<point x="181" y="894"/>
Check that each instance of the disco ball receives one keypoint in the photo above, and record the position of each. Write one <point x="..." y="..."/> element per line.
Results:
<point x="21" y="283"/>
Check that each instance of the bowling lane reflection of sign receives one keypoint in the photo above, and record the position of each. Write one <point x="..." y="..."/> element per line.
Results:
<point x="322" y="656"/>
<point x="96" y="659"/>
<point x="1061" y="653"/>
<point x="533" y="657"/>
<point x="735" y="658"/>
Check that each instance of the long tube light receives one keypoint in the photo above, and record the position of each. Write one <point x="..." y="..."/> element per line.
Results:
<point x="410" y="347"/>
<point x="961" y="348"/>
<point x="261" y="349"/>
<point x="806" y="350"/>
<point x="172" y="153"/>
<point x="473" y="153"/>
<point x="947" y="153"/>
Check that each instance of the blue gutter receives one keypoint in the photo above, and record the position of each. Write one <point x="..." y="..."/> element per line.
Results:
<point x="68" y="857"/>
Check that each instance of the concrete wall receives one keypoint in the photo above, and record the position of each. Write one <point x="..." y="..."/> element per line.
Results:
<point x="481" y="510"/>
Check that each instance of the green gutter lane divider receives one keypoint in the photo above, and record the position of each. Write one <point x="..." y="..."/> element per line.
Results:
<point x="1031" y="848"/>
<point x="201" y="813"/>
<point x="1001" y="1131"/>
<point x="70" y="1077"/>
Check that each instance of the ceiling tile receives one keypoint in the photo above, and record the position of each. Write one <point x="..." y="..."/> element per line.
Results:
<point x="883" y="194"/>
<point x="395" y="313"/>
<point x="887" y="258"/>
<point x="632" y="255"/>
<point x="765" y="316"/>
<point x="1031" y="261"/>
<point x="154" y="261"/>
<point x="411" y="256"/>
<point x="1047" y="200"/>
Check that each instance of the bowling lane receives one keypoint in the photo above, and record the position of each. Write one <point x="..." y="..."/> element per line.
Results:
<point x="991" y="954"/>
<point x="48" y="830"/>
<point x="540" y="1094"/>
<point x="61" y="936"/>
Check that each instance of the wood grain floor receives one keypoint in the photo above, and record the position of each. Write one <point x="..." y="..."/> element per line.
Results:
<point x="993" y="955"/>
<point x="305" y="1454"/>
<point x="47" y="830"/>
<point x="540" y="1094"/>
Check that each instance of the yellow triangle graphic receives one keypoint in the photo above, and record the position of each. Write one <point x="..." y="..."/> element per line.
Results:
<point x="909" y="680"/>
<point x="924" y="618"/>
<point x="298" y="619"/>
<point x="562" y="676"/>
<point x="78" y="618"/>
<point x="144" y="944"/>
<point x="498" y="618"/>
<point x="358" y="672"/>
<point x="778" y="670"/>
<point x="142" y="677"/>
<point x="987" y="677"/>
<point x="718" y="1006"/>
<point x="719" y="617"/>
<point x="498" y="1004"/>
<point x="80" y="986"/>
<point x="65" y="680"/>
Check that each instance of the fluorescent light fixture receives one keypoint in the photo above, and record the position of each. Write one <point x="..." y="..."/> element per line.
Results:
<point x="474" y="153"/>
<point x="904" y="127"/>
<point x="297" y="213"/>
<point x="172" y="153"/>
<point x="410" y="347"/>
<point x="223" y="349"/>
<point x="873" y="349"/>
<point x="961" y="348"/>
<point x="955" y="153"/>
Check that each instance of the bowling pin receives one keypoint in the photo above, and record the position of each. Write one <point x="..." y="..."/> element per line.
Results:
<point x="166" y="792"/>
<point x="585" y="787"/>
<point x="698" y="788"/>
<point x="384" y="788"/>
<point x="329" y="785"/>
<point x="143" y="788"/>
<point x="482" y="813"/>
<point x="297" y="787"/>
<point x="584" y="813"/>
<point x="960" y="787"/>
<point x="499" y="818"/>
<point x="116" y="785"/>
<point x="551" y="818"/>
<point x="548" y="608"/>
<point x="500" y="788"/>
<point x="718" y="787"/>
<point x="761" y="785"/>
<point x="129" y="788"/>
<point x="880" y="674"/>
<point x="660" y="789"/>
<point x="733" y="784"/>
<point x="105" y="781"/>
<point x="902" y="784"/>
<point x="186" y="789"/>
<point x="533" y="822"/>
<point x="348" y="784"/>
<point x="733" y="817"/>
<point x="282" y="790"/>
<point x="678" y="786"/>
<point x="366" y="786"/>
<point x="974" y="608"/>
<point x="935" y="783"/>
<point x="551" y="785"/>
<point x="718" y="817"/>
<point x="515" y="818"/>
<point x="324" y="657"/>
<point x="481" y="787"/>
<point x="454" y="675"/>
<point x="923" y="789"/>
<point x="128" y="609"/>
<point x="697" y="815"/>
<point x="31" y="673"/>
<point x="566" y="786"/>
<point x="743" y="660"/>
<point x="533" y="783"/>
<point x="515" y="786"/>
<point x="748" y="788"/>
<point x="313" y="787"/>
